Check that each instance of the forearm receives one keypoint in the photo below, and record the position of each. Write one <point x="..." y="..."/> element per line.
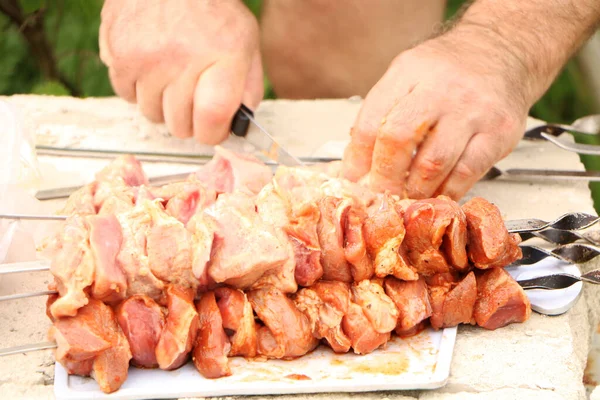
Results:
<point x="539" y="35"/>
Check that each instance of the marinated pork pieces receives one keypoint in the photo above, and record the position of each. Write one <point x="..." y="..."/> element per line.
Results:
<point x="237" y="262"/>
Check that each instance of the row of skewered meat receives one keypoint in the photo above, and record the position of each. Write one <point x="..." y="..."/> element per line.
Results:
<point x="236" y="261"/>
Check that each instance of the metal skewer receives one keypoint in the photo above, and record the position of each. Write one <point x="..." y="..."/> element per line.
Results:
<point x="566" y="222"/>
<point x="575" y="253"/>
<point x="588" y="125"/>
<point x="34" y="217"/>
<point x="549" y="282"/>
<point x="144" y="156"/>
<point x="589" y="149"/>
<point x="27" y="266"/>
<point x="27" y="348"/>
<point x="559" y="281"/>
<point x="523" y="174"/>
<point x="560" y="237"/>
<point x="64" y="192"/>
<point x="26" y="295"/>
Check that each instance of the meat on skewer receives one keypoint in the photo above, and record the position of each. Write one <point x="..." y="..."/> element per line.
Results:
<point x="235" y="262"/>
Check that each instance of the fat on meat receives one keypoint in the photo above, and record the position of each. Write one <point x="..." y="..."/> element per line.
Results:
<point x="136" y="224"/>
<point x="110" y="282"/>
<point x="299" y="184"/>
<point x="377" y="306"/>
<point x="330" y="231"/>
<point x="126" y="167"/>
<point x="203" y="228"/>
<point x="325" y="304"/>
<point x="245" y="246"/>
<point x="274" y="210"/>
<point x="355" y="246"/>
<point x="364" y="338"/>
<point x="229" y="171"/>
<point x="302" y="232"/>
<point x="384" y="233"/>
<point x="298" y="218"/>
<point x="436" y="236"/>
<point x="283" y="277"/>
<point x="81" y="201"/>
<point x="341" y="188"/>
<point x="112" y="183"/>
<point x="113" y="197"/>
<point x="412" y="301"/>
<point x="185" y="199"/>
<point x="73" y="267"/>
<point x="286" y="332"/>
<point x="332" y="169"/>
<point x="169" y="248"/>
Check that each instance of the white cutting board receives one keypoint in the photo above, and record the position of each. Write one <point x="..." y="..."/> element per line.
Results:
<point x="419" y="362"/>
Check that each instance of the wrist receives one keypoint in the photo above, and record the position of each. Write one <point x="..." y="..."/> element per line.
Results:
<point x="538" y="36"/>
<point x="495" y="56"/>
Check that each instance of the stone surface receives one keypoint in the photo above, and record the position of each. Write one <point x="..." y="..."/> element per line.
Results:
<point x="543" y="358"/>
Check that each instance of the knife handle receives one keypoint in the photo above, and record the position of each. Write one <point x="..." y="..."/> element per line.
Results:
<point x="240" y="122"/>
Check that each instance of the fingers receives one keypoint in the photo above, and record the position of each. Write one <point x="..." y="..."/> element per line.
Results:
<point x="123" y="76"/>
<point x="202" y="103"/>
<point x="480" y="154"/>
<point x="123" y="82"/>
<point x="106" y="19"/>
<point x="105" y="55"/>
<point x="404" y="129"/>
<point x="149" y="92"/>
<point x="378" y="103"/>
<point x="217" y="97"/>
<point x="177" y="102"/>
<point x="436" y="157"/>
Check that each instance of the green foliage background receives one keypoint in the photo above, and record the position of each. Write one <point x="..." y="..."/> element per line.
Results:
<point x="71" y="27"/>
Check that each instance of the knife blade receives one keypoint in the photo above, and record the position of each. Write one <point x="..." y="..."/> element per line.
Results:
<point x="244" y="125"/>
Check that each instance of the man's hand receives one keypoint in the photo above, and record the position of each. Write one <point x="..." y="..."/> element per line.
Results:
<point x="448" y="109"/>
<point x="451" y="102"/>
<point x="189" y="63"/>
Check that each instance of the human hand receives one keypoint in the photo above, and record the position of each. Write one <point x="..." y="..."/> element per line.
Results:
<point x="189" y="63"/>
<point x="458" y="102"/>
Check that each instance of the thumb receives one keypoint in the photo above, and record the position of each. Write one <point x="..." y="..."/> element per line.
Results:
<point x="217" y="97"/>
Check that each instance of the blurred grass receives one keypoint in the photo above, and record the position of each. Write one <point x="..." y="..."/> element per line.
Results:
<point x="71" y="29"/>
